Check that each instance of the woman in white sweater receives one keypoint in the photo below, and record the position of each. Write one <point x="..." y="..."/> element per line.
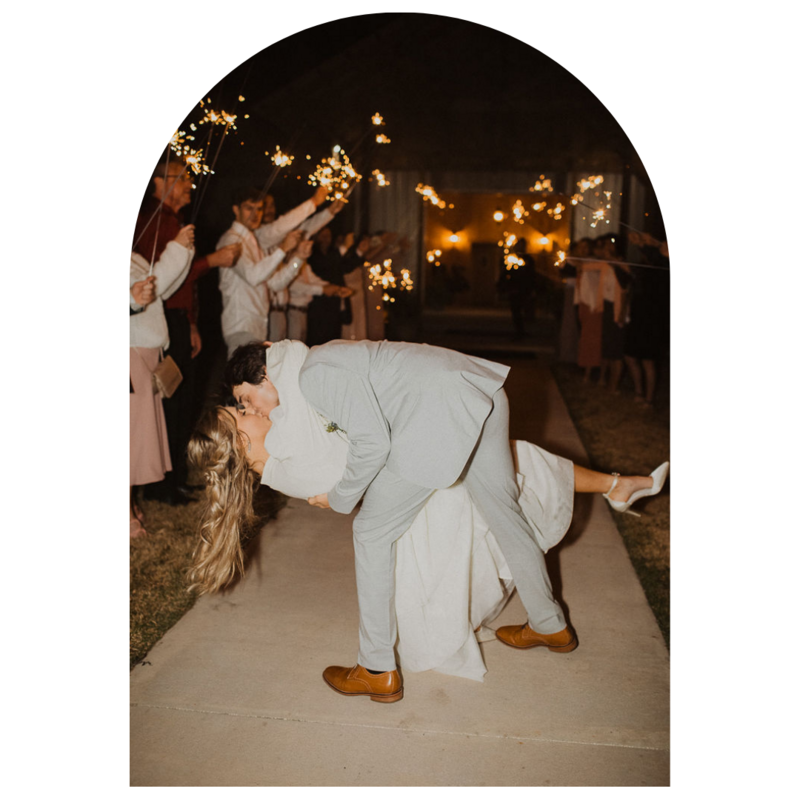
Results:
<point x="149" y="447"/>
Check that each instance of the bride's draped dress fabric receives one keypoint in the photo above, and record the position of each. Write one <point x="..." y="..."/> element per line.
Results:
<point x="451" y="577"/>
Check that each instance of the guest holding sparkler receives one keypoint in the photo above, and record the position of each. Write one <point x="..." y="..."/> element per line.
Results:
<point x="150" y="285"/>
<point x="272" y="230"/>
<point x="245" y="288"/>
<point x="159" y="221"/>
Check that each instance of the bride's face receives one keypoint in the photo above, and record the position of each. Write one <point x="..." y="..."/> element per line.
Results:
<point x="252" y="430"/>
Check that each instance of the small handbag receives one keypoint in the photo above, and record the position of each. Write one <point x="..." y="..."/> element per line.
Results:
<point x="166" y="377"/>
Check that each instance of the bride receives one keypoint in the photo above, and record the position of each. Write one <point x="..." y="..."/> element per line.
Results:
<point x="448" y="585"/>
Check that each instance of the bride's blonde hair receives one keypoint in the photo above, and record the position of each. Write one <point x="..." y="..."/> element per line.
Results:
<point x="217" y="451"/>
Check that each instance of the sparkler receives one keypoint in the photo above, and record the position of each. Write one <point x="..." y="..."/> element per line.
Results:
<point x="542" y="185"/>
<point x="592" y="182"/>
<point x="433" y="256"/>
<point x="279" y="158"/>
<point x="336" y="174"/>
<point x="519" y="212"/>
<point x="508" y="240"/>
<point x="219" y="118"/>
<point x="429" y="193"/>
<point x="382" y="277"/>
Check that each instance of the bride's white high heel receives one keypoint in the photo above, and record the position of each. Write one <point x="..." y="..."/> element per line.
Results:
<point x="658" y="475"/>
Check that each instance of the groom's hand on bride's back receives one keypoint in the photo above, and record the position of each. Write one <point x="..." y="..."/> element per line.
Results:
<point x="319" y="500"/>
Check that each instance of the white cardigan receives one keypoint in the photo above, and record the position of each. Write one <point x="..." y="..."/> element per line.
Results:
<point x="149" y="328"/>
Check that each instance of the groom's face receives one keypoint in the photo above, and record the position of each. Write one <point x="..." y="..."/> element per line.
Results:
<point x="257" y="399"/>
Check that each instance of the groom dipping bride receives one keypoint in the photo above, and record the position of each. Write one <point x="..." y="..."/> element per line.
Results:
<point x="387" y="424"/>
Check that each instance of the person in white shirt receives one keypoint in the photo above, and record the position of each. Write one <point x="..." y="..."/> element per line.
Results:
<point x="245" y="287"/>
<point x="149" y="447"/>
<point x="269" y="233"/>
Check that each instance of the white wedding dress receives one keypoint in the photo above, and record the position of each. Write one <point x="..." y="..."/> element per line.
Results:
<point x="451" y="577"/>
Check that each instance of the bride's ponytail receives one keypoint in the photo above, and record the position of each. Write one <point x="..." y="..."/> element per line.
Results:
<point x="216" y="450"/>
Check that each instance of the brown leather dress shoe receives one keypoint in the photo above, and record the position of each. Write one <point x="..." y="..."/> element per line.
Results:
<point x="523" y="637"/>
<point x="387" y="687"/>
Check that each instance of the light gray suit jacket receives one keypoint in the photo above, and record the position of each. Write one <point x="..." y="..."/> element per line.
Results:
<point x="413" y="409"/>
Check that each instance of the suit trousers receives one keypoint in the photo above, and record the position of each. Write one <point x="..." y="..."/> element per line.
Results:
<point x="391" y="504"/>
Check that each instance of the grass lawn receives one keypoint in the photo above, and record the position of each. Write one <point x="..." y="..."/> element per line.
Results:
<point x="622" y="436"/>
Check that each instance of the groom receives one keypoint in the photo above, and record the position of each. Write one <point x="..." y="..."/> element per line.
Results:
<point x="417" y="419"/>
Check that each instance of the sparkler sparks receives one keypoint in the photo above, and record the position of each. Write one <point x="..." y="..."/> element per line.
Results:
<point x="592" y="182"/>
<point x="508" y="240"/>
<point x="193" y="159"/>
<point x="279" y="158"/>
<point x="219" y="118"/>
<point x="429" y="193"/>
<point x="382" y="138"/>
<point x="519" y="212"/>
<point x="377" y="119"/>
<point x="513" y="261"/>
<point x="380" y="178"/>
<point x="336" y="174"/>
<point x="433" y="256"/>
<point x="542" y="185"/>
<point x="557" y="210"/>
<point x="539" y="206"/>
<point x="382" y="277"/>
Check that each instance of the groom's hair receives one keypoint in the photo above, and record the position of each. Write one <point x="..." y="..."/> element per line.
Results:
<point x="248" y="364"/>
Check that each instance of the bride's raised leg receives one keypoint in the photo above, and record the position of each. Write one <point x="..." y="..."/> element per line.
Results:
<point x="620" y="490"/>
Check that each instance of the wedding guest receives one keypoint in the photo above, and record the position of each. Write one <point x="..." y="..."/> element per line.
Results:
<point x="612" y="276"/>
<point x="569" y="331"/>
<point x="160" y="218"/>
<point x="588" y="296"/>
<point x="245" y="287"/>
<point x="269" y="233"/>
<point x="149" y="447"/>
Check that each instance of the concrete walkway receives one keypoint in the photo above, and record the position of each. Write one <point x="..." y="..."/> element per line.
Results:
<point x="233" y="694"/>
